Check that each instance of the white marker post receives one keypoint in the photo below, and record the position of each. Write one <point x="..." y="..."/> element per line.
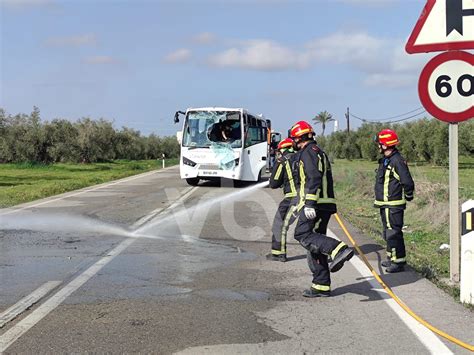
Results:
<point x="467" y="253"/>
<point x="163" y="156"/>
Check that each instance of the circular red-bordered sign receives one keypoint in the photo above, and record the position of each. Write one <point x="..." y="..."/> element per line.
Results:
<point x="448" y="88"/>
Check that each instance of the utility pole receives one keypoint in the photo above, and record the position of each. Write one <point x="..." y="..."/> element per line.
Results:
<point x="347" y="119"/>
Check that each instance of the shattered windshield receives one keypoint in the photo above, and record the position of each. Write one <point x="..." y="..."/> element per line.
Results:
<point x="204" y="129"/>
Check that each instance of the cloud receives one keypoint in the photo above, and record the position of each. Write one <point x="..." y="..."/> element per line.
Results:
<point x="204" y="38"/>
<point x="359" y="48"/>
<point x="72" y="41"/>
<point x="100" y="59"/>
<point x="179" y="56"/>
<point x="264" y="55"/>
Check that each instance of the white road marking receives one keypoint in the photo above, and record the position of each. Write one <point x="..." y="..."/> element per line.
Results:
<point x="424" y="335"/>
<point x="101" y="186"/>
<point x="27" y="302"/>
<point x="9" y="337"/>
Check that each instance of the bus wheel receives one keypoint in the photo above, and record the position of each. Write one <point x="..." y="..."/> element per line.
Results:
<point x="192" y="181"/>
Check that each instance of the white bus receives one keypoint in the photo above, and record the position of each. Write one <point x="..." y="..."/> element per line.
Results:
<point x="222" y="142"/>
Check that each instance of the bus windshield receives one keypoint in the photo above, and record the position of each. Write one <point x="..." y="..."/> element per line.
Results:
<point x="203" y="129"/>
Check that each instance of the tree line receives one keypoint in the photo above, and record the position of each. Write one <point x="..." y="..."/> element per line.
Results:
<point x="27" y="138"/>
<point x="421" y="140"/>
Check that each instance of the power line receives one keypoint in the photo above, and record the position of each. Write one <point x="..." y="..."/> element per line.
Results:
<point x="385" y="120"/>
<point x="392" y="117"/>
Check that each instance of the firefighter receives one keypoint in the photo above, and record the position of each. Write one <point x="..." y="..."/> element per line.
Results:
<point x="284" y="175"/>
<point x="393" y="187"/>
<point x="316" y="205"/>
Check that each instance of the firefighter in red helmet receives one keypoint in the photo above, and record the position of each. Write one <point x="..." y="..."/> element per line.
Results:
<point x="284" y="175"/>
<point x="316" y="205"/>
<point x="393" y="187"/>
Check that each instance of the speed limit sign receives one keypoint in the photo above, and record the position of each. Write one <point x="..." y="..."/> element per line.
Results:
<point x="446" y="86"/>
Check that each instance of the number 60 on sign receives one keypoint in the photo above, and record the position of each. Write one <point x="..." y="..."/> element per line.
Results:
<point x="446" y="86"/>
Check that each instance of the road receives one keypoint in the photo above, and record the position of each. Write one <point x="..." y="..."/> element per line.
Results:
<point x="195" y="280"/>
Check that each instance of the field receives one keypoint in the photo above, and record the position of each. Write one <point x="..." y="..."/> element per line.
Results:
<point x="26" y="182"/>
<point x="426" y="218"/>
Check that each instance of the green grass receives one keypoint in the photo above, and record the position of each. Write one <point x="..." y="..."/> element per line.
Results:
<point x="27" y="182"/>
<point x="426" y="218"/>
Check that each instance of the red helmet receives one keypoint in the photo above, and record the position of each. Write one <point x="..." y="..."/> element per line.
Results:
<point x="285" y="143"/>
<point x="300" y="129"/>
<point x="388" y="138"/>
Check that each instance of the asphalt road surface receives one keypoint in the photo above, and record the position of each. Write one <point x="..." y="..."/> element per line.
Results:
<point x="194" y="280"/>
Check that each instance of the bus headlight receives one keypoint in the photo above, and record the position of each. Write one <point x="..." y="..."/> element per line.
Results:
<point x="189" y="162"/>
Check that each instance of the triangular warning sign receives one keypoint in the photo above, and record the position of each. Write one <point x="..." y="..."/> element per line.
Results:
<point x="443" y="25"/>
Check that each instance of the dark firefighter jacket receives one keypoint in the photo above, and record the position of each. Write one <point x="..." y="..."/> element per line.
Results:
<point x="316" y="184"/>
<point x="285" y="174"/>
<point x="394" y="184"/>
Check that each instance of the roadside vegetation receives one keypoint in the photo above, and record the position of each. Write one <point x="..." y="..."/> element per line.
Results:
<point x="424" y="143"/>
<point x="28" y="138"/>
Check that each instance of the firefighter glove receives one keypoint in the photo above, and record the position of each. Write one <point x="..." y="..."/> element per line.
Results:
<point x="310" y="212"/>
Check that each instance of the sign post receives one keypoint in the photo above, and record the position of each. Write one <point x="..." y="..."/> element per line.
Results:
<point x="446" y="87"/>
<point x="454" y="270"/>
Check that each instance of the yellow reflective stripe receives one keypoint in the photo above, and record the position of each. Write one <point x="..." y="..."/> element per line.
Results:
<point x="278" y="252"/>
<point x="321" y="287"/>
<point x="389" y="254"/>
<point x="394" y="257"/>
<point x="386" y="181"/>
<point x="311" y="197"/>
<point x="278" y="173"/>
<point x="395" y="175"/>
<point x="468" y="221"/>
<point x="302" y="181"/>
<point x="399" y="260"/>
<point x="290" y="177"/>
<point x="325" y="181"/>
<point x="284" y="230"/>
<point x="392" y="141"/>
<point x="384" y="135"/>
<point x="335" y="251"/>
<point x="291" y="194"/>
<point x="320" y="165"/>
<point x="387" y="218"/>
<point x="327" y="200"/>
<point x="390" y="203"/>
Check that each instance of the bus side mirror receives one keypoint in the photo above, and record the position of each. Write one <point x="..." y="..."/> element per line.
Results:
<point x="176" y="116"/>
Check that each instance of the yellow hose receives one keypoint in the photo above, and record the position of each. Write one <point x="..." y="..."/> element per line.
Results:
<point x="403" y="305"/>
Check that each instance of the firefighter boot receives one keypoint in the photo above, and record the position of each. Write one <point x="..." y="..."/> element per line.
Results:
<point x="386" y="263"/>
<point x="315" y="291"/>
<point x="394" y="267"/>
<point x="340" y="255"/>
<point x="272" y="257"/>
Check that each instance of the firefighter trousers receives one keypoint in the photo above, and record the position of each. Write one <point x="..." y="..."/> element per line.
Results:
<point x="311" y="234"/>
<point x="392" y="222"/>
<point x="284" y="217"/>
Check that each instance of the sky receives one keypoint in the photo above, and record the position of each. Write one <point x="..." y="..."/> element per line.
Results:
<point x="136" y="62"/>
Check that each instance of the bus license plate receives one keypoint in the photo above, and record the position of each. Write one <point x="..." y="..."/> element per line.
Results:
<point x="206" y="172"/>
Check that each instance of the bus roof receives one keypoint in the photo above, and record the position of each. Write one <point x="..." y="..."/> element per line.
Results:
<point x="224" y="109"/>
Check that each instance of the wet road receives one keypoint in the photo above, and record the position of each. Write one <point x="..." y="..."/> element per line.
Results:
<point x="194" y="279"/>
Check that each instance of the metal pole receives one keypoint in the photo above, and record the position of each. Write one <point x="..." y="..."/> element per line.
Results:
<point x="453" y="203"/>
<point x="347" y="119"/>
